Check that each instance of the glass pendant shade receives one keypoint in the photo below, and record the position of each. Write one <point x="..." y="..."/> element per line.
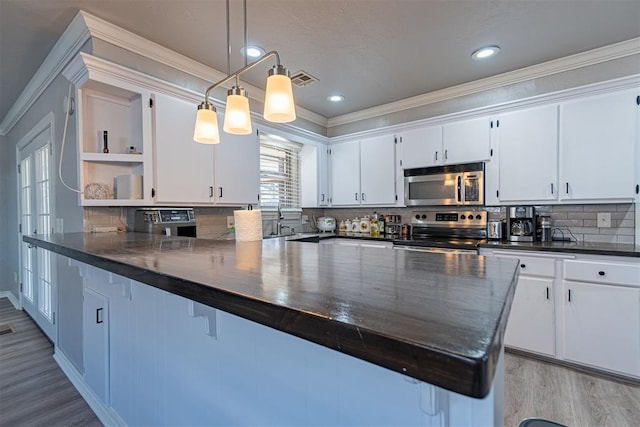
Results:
<point x="278" y="101"/>
<point x="206" y="129"/>
<point x="237" y="117"/>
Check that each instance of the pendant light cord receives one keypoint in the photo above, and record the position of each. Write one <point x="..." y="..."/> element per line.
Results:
<point x="68" y="111"/>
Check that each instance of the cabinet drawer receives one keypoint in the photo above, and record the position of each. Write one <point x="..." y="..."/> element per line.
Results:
<point x="599" y="272"/>
<point x="534" y="266"/>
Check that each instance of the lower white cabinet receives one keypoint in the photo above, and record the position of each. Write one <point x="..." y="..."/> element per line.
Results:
<point x="531" y="325"/>
<point x="95" y="330"/>
<point x="583" y="309"/>
<point x="602" y="326"/>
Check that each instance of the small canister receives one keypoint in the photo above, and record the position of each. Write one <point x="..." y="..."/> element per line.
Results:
<point x="406" y="230"/>
<point x="545" y="229"/>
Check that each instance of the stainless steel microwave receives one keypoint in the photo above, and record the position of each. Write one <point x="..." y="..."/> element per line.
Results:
<point x="461" y="185"/>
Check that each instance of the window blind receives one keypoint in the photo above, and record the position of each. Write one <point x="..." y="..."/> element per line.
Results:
<point x="279" y="175"/>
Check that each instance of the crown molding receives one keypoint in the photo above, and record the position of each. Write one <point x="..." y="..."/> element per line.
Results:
<point x="110" y="33"/>
<point x="71" y="41"/>
<point x="568" y="63"/>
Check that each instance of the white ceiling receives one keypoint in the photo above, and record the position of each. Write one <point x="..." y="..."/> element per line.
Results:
<point x="370" y="51"/>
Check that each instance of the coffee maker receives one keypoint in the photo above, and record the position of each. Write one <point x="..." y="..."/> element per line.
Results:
<point x="521" y="223"/>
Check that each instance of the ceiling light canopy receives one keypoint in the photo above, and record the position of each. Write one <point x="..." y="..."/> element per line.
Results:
<point x="485" y="52"/>
<point x="335" y="98"/>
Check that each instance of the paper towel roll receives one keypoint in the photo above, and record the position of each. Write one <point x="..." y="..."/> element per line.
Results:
<point x="248" y="225"/>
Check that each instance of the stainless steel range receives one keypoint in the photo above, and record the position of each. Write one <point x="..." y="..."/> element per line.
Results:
<point x="456" y="232"/>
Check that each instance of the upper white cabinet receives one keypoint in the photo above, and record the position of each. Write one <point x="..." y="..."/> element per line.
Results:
<point x="187" y="172"/>
<point x="184" y="168"/>
<point x="598" y="136"/>
<point x="377" y="171"/>
<point x="421" y="147"/>
<point x="314" y="179"/>
<point x="528" y="146"/>
<point x="466" y="141"/>
<point x="345" y="173"/>
<point x="237" y="169"/>
<point x="363" y="172"/>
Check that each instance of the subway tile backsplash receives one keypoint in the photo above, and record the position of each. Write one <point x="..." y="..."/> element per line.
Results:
<point x="579" y="220"/>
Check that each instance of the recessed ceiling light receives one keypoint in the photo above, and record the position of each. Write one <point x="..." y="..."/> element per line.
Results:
<point x="335" y="98"/>
<point x="485" y="52"/>
<point x="252" y="51"/>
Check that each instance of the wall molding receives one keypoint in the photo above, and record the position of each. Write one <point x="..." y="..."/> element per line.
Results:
<point x="568" y="63"/>
<point x="12" y="299"/>
<point x="107" y="416"/>
<point x="628" y="82"/>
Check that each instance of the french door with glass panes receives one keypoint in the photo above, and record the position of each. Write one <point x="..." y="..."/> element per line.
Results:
<point x="37" y="290"/>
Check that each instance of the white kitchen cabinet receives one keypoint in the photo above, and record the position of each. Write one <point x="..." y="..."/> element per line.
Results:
<point x="602" y="326"/>
<point x="237" y="169"/>
<point x="183" y="167"/>
<point x="345" y="173"/>
<point x="467" y="141"/>
<point x="314" y="175"/>
<point x="108" y="99"/>
<point x="363" y="172"/>
<point x="95" y="328"/>
<point x="527" y="150"/>
<point x="598" y="139"/>
<point x="377" y="171"/>
<point x="531" y="325"/>
<point x="421" y="147"/>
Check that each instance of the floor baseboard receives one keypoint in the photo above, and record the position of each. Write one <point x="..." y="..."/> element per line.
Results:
<point x="14" y="301"/>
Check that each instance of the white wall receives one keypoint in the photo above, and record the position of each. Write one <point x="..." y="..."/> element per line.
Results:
<point x="5" y="277"/>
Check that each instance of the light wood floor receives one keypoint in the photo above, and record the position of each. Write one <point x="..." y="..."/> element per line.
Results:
<point x="34" y="391"/>
<point x="540" y="389"/>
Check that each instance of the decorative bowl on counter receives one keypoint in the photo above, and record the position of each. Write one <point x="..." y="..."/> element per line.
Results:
<point x="326" y="223"/>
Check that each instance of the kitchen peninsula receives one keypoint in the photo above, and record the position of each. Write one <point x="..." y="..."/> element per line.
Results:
<point x="295" y="333"/>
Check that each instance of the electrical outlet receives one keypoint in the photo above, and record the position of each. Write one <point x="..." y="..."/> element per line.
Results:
<point x="604" y="219"/>
<point x="230" y="221"/>
<point x="305" y="219"/>
<point x="59" y="225"/>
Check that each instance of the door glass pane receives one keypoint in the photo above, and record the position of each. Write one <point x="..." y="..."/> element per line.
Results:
<point x="27" y="258"/>
<point x="44" y="226"/>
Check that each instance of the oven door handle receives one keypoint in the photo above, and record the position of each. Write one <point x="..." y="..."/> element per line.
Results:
<point x="459" y="190"/>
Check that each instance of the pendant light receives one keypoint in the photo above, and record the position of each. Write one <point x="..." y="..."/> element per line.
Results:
<point x="279" y="106"/>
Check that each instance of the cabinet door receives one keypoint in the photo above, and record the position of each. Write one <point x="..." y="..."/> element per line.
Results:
<point x="527" y="150"/>
<point x="467" y="141"/>
<point x="345" y="173"/>
<point x="237" y="169"/>
<point x="95" y="327"/>
<point x="323" y="176"/>
<point x="531" y="322"/>
<point x="422" y="147"/>
<point x="597" y="146"/>
<point x="377" y="171"/>
<point x="602" y="326"/>
<point x="183" y="168"/>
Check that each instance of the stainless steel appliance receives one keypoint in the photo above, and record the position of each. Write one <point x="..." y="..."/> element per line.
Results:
<point x="495" y="230"/>
<point x="544" y="228"/>
<point x="446" y="232"/>
<point x="521" y="223"/>
<point x="167" y="221"/>
<point x="460" y="185"/>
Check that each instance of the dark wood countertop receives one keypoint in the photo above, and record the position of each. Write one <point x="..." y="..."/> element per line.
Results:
<point x="437" y="318"/>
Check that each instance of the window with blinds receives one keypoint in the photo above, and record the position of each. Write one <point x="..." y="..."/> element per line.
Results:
<point x="279" y="173"/>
